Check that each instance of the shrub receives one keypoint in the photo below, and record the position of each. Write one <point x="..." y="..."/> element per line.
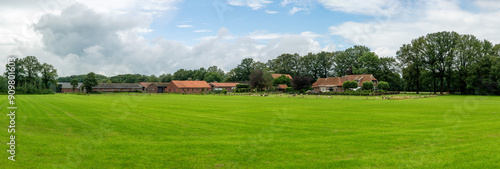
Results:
<point x="383" y="85"/>
<point x="349" y="84"/>
<point x="46" y="91"/>
<point x="368" y="86"/>
<point x="224" y="91"/>
<point x="289" y="89"/>
<point x="239" y="86"/>
<point x="282" y="80"/>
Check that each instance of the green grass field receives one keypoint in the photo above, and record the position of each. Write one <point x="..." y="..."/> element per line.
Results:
<point x="181" y="131"/>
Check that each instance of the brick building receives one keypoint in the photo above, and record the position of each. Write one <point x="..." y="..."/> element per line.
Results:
<point x="68" y="88"/>
<point x="188" y="87"/>
<point x="154" y="87"/>
<point x="118" y="87"/>
<point x="334" y="84"/>
<point x="229" y="86"/>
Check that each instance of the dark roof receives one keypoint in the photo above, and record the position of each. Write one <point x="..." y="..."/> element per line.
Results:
<point x="66" y="85"/>
<point x="158" y="84"/>
<point x="119" y="86"/>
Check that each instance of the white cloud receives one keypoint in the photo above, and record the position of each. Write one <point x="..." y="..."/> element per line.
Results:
<point x="254" y="4"/>
<point x="386" y="36"/>
<point x="372" y="7"/>
<point x="202" y="31"/>
<point x="184" y="26"/>
<point x="488" y="4"/>
<point x="85" y="40"/>
<point x="271" y="12"/>
<point x="311" y="35"/>
<point x="295" y="10"/>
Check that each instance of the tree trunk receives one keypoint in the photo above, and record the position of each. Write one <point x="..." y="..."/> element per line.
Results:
<point x="442" y="85"/>
<point x="418" y="80"/>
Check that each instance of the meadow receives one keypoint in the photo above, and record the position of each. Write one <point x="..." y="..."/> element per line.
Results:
<point x="200" y="131"/>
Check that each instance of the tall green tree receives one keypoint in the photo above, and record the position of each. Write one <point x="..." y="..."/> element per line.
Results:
<point x="348" y="58"/>
<point x="90" y="82"/>
<point x="31" y="67"/>
<point x="74" y="84"/>
<point x="49" y="75"/>
<point x="411" y="57"/>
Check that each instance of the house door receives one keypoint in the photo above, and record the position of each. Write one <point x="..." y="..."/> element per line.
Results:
<point x="160" y="89"/>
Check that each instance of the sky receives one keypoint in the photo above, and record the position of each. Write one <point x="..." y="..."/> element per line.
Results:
<point x="161" y="36"/>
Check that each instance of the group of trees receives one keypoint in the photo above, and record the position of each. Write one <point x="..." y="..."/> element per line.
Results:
<point x="211" y="74"/>
<point x="448" y="61"/>
<point x="358" y="59"/>
<point x="31" y="76"/>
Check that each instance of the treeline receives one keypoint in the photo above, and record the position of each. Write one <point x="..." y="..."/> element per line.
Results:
<point x="358" y="59"/>
<point x="31" y="76"/>
<point x="211" y="74"/>
<point x="354" y="60"/>
<point x="450" y="62"/>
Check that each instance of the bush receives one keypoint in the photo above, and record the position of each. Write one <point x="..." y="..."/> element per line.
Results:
<point x="282" y="80"/>
<point x="383" y="85"/>
<point x="349" y="84"/>
<point x="224" y="91"/>
<point x="288" y="89"/>
<point x="46" y="91"/>
<point x="239" y="86"/>
<point x="368" y="86"/>
<point x="243" y="90"/>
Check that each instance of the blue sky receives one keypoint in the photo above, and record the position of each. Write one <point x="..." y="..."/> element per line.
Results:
<point x="206" y="17"/>
<point x="161" y="36"/>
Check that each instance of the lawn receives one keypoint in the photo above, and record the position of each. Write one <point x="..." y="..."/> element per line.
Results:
<point x="199" y="131"/>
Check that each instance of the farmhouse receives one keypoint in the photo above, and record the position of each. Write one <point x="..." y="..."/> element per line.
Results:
<point x="281" y="87"/>
<point x="68" y="88"/>
<point x="278" y="75"/>
<point x="188" y="87"/>
<point x="118" y="87"/>
<point x="220" y="86"/>
<point x="154" y="87"/>
<point x="334" y="84"/>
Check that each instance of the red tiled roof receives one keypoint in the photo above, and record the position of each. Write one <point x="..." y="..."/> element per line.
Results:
<point x="282" y="86"/>
<point x="217" y="84"/>
<point x="329" y="81"/>
<point x="278" y="75"/>
<point x="145" y="84"/>
<point x="191" y="84"/>
<point x="339" y="81"/>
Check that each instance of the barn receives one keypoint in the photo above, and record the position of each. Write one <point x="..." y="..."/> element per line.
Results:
<point x="188" y="87"/>
<point x="220" y="86"/>
<point x="334" y="84"/>
<point x="154" y="87"/>
<point x="68" y="88"/>
<point x="118" y="87"/>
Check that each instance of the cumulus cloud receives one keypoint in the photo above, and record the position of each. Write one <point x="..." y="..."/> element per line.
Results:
<point x="385" y="36"/>
<point x="79" y="39"/>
